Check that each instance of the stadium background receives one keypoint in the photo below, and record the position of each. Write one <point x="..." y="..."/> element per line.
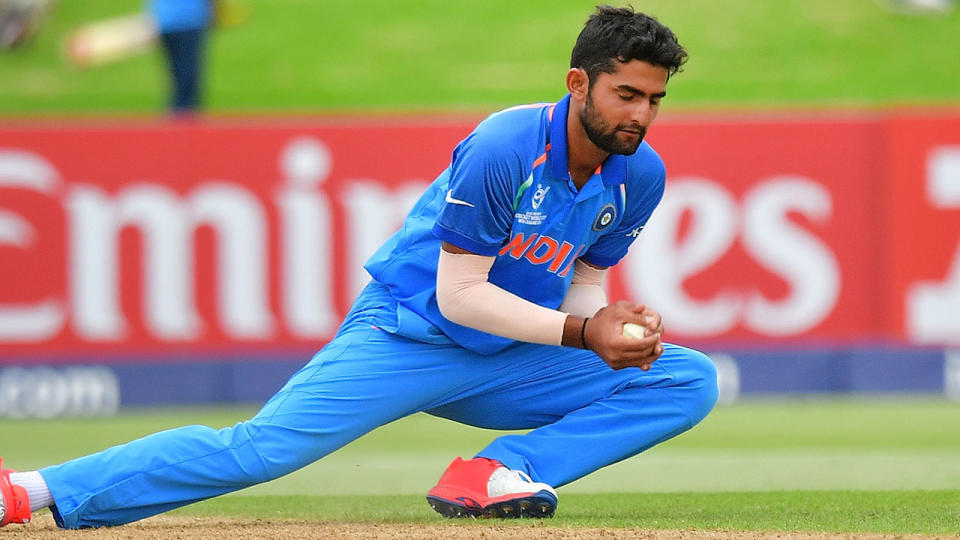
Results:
<point x="810" y="240"/>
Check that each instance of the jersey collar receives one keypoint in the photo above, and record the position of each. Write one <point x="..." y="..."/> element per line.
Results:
<point x="613" y="171"/>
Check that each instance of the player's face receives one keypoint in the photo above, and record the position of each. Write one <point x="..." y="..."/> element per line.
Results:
<point x="620" y="106"/>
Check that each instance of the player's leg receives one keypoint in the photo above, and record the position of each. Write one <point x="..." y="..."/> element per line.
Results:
<point x="645" y="409"/>
<point x="587" y="415"/>
<point x="185" y="56"/>
<point x="364" y="379"/>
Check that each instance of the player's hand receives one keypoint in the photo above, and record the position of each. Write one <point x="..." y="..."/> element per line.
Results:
<point x="604" y="336"/>
<point x="653" y="321"/>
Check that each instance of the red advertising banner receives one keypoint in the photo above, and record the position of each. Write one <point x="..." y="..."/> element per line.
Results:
<point x="922" y="228"/>
<point x="761" y="231"/>
<point x="231" y="235"/>
<point x="198" y="236"/>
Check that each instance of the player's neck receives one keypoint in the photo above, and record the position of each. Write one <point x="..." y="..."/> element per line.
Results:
<point x="583" y="157"/>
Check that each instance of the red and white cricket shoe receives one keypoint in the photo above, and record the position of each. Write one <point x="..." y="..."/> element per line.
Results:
<point x="485" y="487"/>
<point x="14" y="502"/>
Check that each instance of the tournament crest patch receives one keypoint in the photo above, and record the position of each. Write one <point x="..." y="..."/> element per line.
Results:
<point x="606" y="216"/>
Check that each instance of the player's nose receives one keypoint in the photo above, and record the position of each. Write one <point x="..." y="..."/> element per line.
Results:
<point x="642" y="113"/>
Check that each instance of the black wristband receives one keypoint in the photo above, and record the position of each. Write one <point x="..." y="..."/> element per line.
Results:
<point x="583" y="338"/>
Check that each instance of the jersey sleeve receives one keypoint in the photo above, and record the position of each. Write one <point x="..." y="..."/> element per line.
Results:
<point x="641" y="198"/>
<point x="477" y="211"/>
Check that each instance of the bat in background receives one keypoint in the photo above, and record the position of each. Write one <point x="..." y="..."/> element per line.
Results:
<point x="109" y="40"/>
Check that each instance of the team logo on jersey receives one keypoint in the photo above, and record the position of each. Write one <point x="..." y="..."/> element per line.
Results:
<point x="606" y="216"/>
<point x="539" y="195"/>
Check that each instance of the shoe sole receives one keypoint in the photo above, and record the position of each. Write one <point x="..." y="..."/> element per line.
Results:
<point x="539" y="505"/>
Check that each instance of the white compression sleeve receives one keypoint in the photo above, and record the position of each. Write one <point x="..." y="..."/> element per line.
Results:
<point x="585" y="295"/>
<point x="466" y="297"/>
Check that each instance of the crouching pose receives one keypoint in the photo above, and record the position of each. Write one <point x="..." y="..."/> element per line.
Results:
<point x="486" y="308"/>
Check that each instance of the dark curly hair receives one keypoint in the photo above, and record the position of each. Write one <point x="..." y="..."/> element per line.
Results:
<point x="620" y="34"/>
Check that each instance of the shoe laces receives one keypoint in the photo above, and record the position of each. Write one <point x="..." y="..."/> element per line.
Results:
<point x="505" y="475"/>
<point x="506" y="481"/>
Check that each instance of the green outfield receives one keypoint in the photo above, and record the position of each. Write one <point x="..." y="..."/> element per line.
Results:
<point x="442" y="55"/>
<point x="883" y="465"/>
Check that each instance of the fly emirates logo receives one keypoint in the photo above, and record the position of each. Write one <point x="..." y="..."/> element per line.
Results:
<point x="222" y="262"/>
<point x="218" y="262"/>
<point x="275" y="256"/>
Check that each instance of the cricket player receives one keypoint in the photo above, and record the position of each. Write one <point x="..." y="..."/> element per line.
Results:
<point x="487" y="308"/>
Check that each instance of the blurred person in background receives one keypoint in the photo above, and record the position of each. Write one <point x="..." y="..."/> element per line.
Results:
<point x="919" y="7"/>
<point x="180" y="27"/>
<point x="20" y="19"/>
<point x="183" y="26"/>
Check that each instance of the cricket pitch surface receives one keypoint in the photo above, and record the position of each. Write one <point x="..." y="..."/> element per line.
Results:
<point x="178" y="527"/>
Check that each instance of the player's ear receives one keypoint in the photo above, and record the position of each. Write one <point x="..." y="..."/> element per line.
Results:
<point x="578" y="83"/>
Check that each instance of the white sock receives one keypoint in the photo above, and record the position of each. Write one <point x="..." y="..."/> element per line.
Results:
<point x="36" y="487"/>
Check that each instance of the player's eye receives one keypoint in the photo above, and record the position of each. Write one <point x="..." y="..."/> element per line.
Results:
<point x="626" y="97"/>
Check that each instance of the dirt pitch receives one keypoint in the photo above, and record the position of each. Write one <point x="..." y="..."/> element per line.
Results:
<point x="165" y="527"/>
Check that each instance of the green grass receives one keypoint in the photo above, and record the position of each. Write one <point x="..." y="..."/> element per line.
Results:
<point x="884" y="465"/>
<point x="442" y="55"/>
<point x="932" y="512"/>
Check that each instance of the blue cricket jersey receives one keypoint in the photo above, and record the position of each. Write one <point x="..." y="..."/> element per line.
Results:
<point x="180" y="15"/>
<point x="508" y="193"/>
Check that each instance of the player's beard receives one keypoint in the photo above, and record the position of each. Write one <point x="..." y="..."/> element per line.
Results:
<point x="605" y="137"/>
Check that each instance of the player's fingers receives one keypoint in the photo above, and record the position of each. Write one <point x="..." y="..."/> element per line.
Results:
<point x="628" y="313"/>
<point x="644" y="362"/>
<point x="652" y="319"/>
<point x="652" y="323"/>
<point x="635" y="359"/>
<point x="634" y="345"/>
<point x="634" y="317"/>
<point x="641" y="351"/>
<point x="645" y="358"/>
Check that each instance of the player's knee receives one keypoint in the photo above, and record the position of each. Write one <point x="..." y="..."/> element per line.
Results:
<point x="703" y="384"/>
<point x="259" y="455"/>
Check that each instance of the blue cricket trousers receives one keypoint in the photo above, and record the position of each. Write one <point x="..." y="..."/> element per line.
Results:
<point x="583" y="416"/>
<point x="185" y="55"/>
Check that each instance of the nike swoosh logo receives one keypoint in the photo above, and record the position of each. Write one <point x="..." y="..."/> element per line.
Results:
<point x="451" y="200"/>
